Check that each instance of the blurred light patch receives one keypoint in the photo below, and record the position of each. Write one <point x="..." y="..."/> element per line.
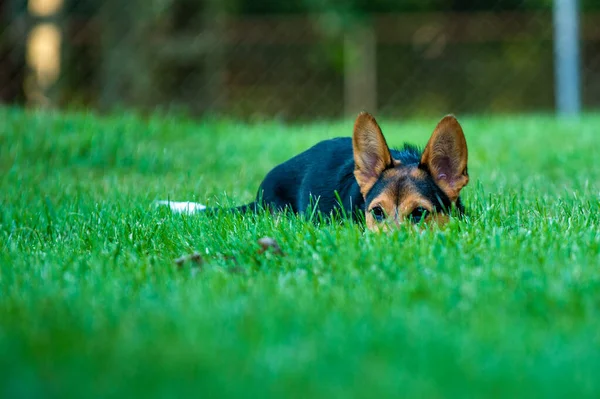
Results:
<point x="44" y="8"/>
<point x="43" y="53"/>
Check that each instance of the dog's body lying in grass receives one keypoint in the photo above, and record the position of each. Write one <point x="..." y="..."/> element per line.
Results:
<point x="363" y="178"/>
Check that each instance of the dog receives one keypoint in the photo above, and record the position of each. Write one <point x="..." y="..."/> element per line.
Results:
<point x="363" y="178"/>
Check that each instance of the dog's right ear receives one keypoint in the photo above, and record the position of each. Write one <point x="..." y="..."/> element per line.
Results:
<point x="371" y="153"/>
<point x="445" y="157"/>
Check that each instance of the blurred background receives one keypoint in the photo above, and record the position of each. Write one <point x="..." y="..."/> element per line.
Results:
<point x="299" y="60"/>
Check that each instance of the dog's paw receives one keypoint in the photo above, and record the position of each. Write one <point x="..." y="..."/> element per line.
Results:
<point x="182" y="207"/>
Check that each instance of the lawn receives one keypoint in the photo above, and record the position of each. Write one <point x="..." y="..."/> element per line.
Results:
<point x="504" y="303"/>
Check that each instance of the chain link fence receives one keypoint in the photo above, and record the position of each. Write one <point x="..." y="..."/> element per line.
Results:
<point x="201" y="57"/>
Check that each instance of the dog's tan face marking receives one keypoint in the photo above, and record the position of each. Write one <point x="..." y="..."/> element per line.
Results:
<point x="399" y="200"/>
<point x="395" y="192"/>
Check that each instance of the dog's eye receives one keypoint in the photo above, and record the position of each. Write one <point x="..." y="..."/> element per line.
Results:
<point x="378" y="213"/>
<point x="418" y="214"/>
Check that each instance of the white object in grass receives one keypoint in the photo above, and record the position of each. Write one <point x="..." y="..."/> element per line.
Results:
<point x="182" y="207"/>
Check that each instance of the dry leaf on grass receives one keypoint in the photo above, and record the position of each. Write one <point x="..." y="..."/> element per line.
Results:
<point x="196" y="258"/>
<point x="268" y="242"/>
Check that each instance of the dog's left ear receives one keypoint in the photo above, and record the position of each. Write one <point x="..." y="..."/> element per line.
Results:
<point x="445" y="157"/>
<point x="371" y="153"/>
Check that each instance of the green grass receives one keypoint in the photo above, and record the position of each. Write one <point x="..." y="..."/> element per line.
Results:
<point x="503" y="303"/>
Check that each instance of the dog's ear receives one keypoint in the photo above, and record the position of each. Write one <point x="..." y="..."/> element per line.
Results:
<point x="445" y="157"/>
<point x="371" y="153"/>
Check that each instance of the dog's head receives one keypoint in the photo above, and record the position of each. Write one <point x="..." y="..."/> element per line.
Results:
<point x="426" y="189"/>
